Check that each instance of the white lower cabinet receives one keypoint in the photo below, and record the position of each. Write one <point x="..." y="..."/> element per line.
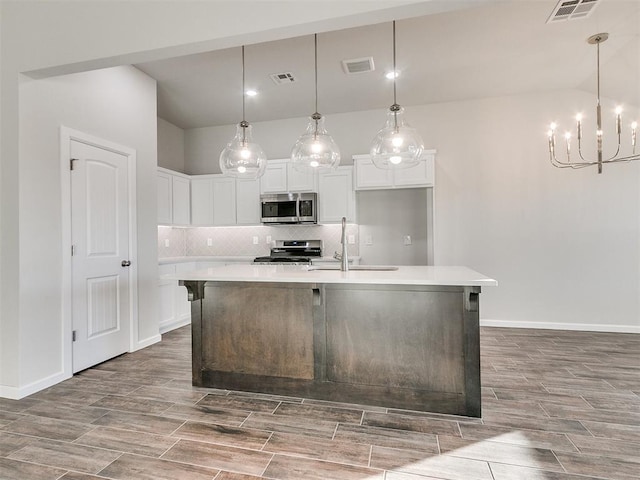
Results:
<point x="174" y="306"/>
<point x="336" y="197"/>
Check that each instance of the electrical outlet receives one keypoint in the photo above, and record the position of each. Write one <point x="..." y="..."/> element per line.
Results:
<point x="256" y="240"/>
<point x="368" y="240"/>
<point x="209" y="242"/>
<point x="166" y="242"/>
<point x="351" y="239"/>
<point x="268" y="240"/>
<point x="407" y="239"/>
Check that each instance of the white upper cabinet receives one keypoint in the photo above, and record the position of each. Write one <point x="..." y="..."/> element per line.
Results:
<point x="370" y="177"/>
<point x="224" y="200"/>
<point x="173" y="198"/>
<point x="336" y="197"/>
<point x="201" y="201"/>
<point x="281" y="177"/>
<point x="164" y="198"/>
<point x="217" y="200"/>
<point x="181" y="201"/>
<point x="247" y="202"/>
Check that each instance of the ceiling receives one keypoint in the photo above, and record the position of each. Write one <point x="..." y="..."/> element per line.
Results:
<point x="492" y="49"/>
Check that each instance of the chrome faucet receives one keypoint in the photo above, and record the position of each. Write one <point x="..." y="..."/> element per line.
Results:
<point x="344" y="259"/>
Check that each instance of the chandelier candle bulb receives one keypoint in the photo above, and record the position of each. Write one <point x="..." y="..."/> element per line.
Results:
<point x="618" y="120"/>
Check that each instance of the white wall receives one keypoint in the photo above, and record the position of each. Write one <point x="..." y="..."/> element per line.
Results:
<point x="386" y="217"/>
<point x="563" y="244"/>
<point x="118" y="105"/>
<point x="170" y="146"/>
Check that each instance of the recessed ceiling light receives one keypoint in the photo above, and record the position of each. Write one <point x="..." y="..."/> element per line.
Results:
<point x="251" y="93"/>
<point x="391" y="75"/>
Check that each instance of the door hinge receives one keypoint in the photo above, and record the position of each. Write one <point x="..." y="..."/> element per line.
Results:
<point x="71" y="163"/>
<point x="73" y="336"/>
<point x="73" y="250"/>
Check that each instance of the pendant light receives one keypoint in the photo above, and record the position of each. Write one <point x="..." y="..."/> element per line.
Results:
<point x="242" y="158"/>
<point x="397" y="145"/>
<point x="315" y="150"/>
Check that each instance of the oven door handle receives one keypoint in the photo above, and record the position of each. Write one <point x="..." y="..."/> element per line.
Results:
<point x="298" y="207"/>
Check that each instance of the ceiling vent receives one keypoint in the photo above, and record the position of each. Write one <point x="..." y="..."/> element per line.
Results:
<point x="358" y="65"/>
<point x="282" y="78"/>
<point x="572" y="9"/>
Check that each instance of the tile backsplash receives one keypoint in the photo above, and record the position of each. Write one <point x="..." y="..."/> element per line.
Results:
<point x="238" y="241"/>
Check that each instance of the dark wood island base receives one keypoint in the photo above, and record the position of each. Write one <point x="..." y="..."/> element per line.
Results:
<point x="412" y="347"/>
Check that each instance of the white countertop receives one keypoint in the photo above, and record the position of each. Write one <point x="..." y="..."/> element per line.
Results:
<point x="405" y="275"/>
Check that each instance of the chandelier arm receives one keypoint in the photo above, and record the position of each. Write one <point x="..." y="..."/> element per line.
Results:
<point x="629" y="158"/>
<point x="560" y="164"/>
<point x="614" y="155"/>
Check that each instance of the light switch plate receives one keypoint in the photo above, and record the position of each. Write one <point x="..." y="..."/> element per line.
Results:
<point x="368" y="240"/>
<point x="255" y="240"/>
<point x="166" y="242"/>
<point x="351" y="240"/>
<point x="268" y="240"/>
<point x="209" y="242"/>
<point x="407" y="239"/>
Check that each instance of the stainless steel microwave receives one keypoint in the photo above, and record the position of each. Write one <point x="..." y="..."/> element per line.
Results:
<point x="289" y="208"/>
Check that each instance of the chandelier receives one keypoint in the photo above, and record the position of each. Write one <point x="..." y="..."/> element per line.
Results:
<point x="581" y="162"/>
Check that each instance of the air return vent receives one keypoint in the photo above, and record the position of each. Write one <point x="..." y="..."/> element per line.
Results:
<point x="572" y="9"/>
<point x="282" y="78"/>
<point x="358" y="65"/>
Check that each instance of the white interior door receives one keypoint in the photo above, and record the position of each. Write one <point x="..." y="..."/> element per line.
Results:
<point x="100" y="238"/>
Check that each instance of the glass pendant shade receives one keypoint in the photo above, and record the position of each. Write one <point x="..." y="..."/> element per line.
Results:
<point x="242" y="158"/>
<point x="397" y="145"/>
<point x="315" y="150"/>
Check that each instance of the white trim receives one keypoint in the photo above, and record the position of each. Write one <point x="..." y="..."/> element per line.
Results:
<point x="66" y="136"/>
<point x="16" y="393"/>
<point x="147" y="342"/>
<point x="585" y="327"/>
<point x="180" y="322"/>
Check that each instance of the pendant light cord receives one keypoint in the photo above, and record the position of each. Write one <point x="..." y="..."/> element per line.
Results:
<point x="315" y="47"/>
<point x="243" y="119"/>
<point x="395" y="72"/>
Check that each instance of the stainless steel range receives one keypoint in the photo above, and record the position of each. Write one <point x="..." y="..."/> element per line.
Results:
<point x="292" y="252"/>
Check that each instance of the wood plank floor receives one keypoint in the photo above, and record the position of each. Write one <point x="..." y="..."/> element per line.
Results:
<point x="557" y="405"/>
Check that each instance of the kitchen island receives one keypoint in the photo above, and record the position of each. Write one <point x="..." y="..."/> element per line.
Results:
<point x="406" y="339"/>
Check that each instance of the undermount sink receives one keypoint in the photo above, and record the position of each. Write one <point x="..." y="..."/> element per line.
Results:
<point x="380" y="268"/>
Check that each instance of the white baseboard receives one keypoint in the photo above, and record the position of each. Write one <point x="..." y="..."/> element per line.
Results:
<point x="147" y="342"/>
<point x="181" y="322"/>
<point x="16" y="393"/>
<point x="584" y="327"/>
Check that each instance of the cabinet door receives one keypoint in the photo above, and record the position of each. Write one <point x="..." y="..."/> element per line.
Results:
<point x="370" y="176"/>
<point x="301" y="181"/>
<point x="274" y="179"/>
<point x="201" y="201"/>
<point x="224" y="200"/>
<point x="247" y="201"/>
<point x="419" y="176"/>
<point x="336" y="196"/>
<point x="164" y="185"/>
<point x="181" y="203"/>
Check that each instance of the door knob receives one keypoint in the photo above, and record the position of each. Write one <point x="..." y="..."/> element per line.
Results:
<point x="125" y="263"/>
